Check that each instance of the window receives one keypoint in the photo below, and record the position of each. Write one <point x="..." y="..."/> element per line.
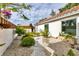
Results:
<point x="46" y="27"/>
<point x="69" y="26"/>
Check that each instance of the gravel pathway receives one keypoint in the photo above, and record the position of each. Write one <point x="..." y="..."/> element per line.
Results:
<point x="38" y="50"/>
<point x="16" y="50"/>
<point x="62" y="48"/>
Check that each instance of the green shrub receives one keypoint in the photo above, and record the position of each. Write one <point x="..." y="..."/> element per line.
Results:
<point x="68" y="36"/>
<point x="62" y="34"/>
<point x="32" y="34"/>
<point x="45" y="33"/>
<point x="71" y="53"/>
<point x="27" y="41"/>
<point x="36" y="33"/>
<point x="20" y="31"/>
<point x="28" y="34"/>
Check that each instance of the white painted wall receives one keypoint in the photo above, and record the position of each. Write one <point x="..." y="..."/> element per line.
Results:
<point x="55" y="28"/>
<point x="28" y="30"/>
<point x="6" y="36"/>
<point x="40" y="27"/>
<point x="77" y="27"/>
<point x="36" y="28"/>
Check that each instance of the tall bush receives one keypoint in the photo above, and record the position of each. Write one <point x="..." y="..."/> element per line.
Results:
<point x="20" y="31"/>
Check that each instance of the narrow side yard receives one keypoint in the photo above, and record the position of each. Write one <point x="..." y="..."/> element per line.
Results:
<point x="16" y="50"/>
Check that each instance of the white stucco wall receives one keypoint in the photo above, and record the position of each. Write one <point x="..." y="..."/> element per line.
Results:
<point x="6" y="36"/>
<point x="77" y="27"/>
<point x="55" y="28"/>
<point x="28" y="30"/>
<point x="40" y="27"/>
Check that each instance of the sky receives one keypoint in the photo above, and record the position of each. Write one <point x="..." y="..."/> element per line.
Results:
<point x="38" y="11"/>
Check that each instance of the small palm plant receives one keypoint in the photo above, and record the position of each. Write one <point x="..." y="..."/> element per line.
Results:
<point x="45" y="33"/>
<point x="71" y="37"/>
<point x="71" y="53"/>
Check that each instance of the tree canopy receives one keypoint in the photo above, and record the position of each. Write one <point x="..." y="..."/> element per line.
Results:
<point x="68" y="6"/>
<point x="52" y="13"/>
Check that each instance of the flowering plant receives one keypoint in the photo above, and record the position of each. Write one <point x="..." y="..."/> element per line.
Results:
<point x="6" y="13"/>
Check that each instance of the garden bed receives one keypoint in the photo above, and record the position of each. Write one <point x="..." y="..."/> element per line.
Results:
<point x="62" y="48"/>
<point x="16" y="50"/>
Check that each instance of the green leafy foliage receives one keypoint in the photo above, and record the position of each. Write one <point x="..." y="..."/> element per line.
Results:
<point x="52" y="13"/>
<point x="20" y="30"/>
<point x="24" y="17"/>
<point x="26" y="6"/>
<point x="45" y="33"/>
<point x="31" y="34"/>
<point x="27" y="41"/>
<point x="71" y="53"/>
<point x="68" y="36"/>
<point x="14" y="9"/>
<point x="62" y="34"/>
<point x="68" y="6"/>
<point x="36" y="33"/>
<point x="28" y="34"/>
<point x="3" y="5"/>
<point x="18" y="9"/>
<point x="2" y="44"/>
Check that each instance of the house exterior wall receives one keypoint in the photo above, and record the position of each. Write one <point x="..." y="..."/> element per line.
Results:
<point x="55" y="28"/>
<point x="28" y="30"/>
<point x="77" y="29"/>
<point x="39" y="28"/>
<point x="6" y="36"/>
